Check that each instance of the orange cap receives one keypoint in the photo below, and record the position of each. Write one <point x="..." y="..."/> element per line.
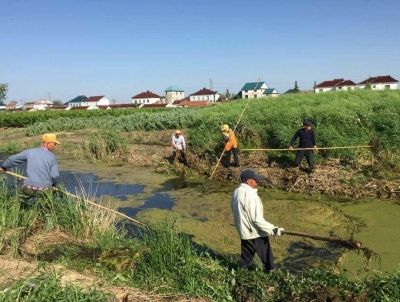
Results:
<point x="50" y="138"/>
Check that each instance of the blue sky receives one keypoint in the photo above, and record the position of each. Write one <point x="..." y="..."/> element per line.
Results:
<point x="120" y="48"/>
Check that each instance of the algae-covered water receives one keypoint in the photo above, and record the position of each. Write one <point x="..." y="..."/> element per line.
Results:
<point x="201" y="208"/>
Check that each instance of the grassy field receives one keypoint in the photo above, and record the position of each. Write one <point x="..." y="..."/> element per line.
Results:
<point x="160" y="260"/>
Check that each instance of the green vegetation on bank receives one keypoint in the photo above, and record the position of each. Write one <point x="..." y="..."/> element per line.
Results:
<point x="21" y="119"/>
<point x="346" y="118"/>
<point x="161" y="260"/>
<point x="48" y="288"/>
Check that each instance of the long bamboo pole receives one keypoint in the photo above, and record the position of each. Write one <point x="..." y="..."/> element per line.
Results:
<point x="86" y="200"/>
<point x="319" y="148"/>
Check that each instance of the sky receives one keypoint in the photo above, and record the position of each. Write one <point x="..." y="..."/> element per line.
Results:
<point x="118" y="48"/>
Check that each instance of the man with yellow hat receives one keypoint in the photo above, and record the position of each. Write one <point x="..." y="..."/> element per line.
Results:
<point x="231" y="146"/>
<point x="179" y="147"/>
<point x="41" y="165"/>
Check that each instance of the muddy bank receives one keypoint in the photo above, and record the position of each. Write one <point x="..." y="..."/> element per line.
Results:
<point x="366" y="178"/>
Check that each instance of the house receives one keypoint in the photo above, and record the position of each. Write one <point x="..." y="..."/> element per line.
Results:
<point x="379" y="83"/>
<point x="253" y="90"/>
<point x="13" y="105"/>
<point x="173" y="93"/>
<point x="271" y="92"/>
<point x="92" y="102"/>
<point x="205" y="95"/>
<point x="335" y="85"/>
<point x="146" y="97"/>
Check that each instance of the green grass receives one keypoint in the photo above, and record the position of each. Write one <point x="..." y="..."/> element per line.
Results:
<point x="48" y="288"/>
<point x="161" y="260"/>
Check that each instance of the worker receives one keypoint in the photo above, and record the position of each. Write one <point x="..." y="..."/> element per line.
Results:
<point x="306" y="140"/>
<point x="42" y="167"/>
<point x="253" y="229"/>
<point x="179" y="147"/>
<point x="230" y="146"/>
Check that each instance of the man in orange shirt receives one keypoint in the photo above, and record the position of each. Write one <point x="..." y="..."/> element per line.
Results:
<point x="231" y="146"/>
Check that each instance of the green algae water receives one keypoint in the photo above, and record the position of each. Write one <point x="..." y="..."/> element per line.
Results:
<point x="201" y="209"/>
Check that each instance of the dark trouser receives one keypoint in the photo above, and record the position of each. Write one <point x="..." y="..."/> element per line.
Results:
<point x="308" y="154"/>
<point x="181" y="156"/>
<point x="263" y="249"/>
<point x="227" y="161"/>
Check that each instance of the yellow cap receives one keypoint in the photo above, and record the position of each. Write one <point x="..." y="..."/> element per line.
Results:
<point x="50" y="138"/>
<point x="225" y="128"/>
<point x="177" y="131"/>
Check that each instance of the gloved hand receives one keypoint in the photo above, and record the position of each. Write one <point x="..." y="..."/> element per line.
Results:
<point x="2" y="170"/>
<point x="315" y="149"/>
<point x="290" y="147"/>
<point x="278" y="231"/>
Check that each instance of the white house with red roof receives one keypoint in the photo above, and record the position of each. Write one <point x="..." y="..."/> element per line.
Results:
<point x="146" y="97"/>
<point x="205" y="95"/>
<point x="335" y="85"/>
<point x="379" y="83"/>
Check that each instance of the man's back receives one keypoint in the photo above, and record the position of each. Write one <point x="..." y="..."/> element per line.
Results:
<point x="42" y="168"/>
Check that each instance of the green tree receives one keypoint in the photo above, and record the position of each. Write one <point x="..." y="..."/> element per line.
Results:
<point x="296" y="87"/>
<point x="3" y="93"/>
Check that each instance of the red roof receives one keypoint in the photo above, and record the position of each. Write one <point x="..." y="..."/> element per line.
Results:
<point x="379" y="79"/>
<point x="335" y="83"/>
<point x="204" y="91"/>
<point x="177" y="102"/>
<point x="94" y="99"/>
<point x="154" y="106"/>
<point x="117" y="106"/>
<point x="346" y="83"/>
<point x="193" y="104"/>
<point x="146" y="95"/>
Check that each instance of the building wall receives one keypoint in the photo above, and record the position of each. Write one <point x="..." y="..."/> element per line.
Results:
<point x="146" y="101"/>
<point x="103" y="102"/>
<point x="380" y="86"/>
<point x="208" y="98"/>
<point x="172" y="96"/>
<point x="254" y="94"/>
<point x="320" y="90"/>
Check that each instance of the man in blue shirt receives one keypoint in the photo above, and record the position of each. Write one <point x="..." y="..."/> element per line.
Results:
<point x="42" y="168"/>
<point x="306" y="140"/>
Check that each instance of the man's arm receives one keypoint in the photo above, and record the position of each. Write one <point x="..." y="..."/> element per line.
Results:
<point x="183" y="144"/>
<point x="294" y="138"/>
<point x="313" y="139"/>
<point x="54" y="173"/>
<point x="257" y="216"/>
<point x="173" y="143"/>
<point x="14" y="160"/>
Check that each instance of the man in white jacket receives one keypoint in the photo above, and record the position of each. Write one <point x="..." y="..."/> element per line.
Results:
<point x="253" y="229"/>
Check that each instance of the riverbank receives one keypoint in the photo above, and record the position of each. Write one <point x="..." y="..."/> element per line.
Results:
<point x="83" y="255"/>
<point x="370" y="175"/>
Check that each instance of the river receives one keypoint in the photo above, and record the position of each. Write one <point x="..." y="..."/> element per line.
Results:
<point x="201" y="208"/>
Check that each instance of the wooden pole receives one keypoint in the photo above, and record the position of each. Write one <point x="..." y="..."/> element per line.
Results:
<point x="319" y="148"/>
<point x="86" y="200"/>
<point x="348" y="243"/>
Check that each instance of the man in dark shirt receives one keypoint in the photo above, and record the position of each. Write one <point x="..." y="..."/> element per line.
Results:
<point x="306" y="140"/>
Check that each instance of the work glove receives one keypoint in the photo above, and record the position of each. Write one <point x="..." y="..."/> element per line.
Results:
<point x="278" y="231"/>
<point x="290" y="147"/>
<point x="315" y="149"/>
<point x="2" y="170"/>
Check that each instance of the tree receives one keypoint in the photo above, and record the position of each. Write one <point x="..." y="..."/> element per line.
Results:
<point x="3" y="93"/>
<point x="227" y="94"/>
<point x="296" y="87"/>
<point x="58" y="103"/>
